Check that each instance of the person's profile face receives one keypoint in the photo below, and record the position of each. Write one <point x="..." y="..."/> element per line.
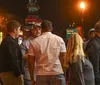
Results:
<point x="92" y="34"/>
<point x="17" y="31"/>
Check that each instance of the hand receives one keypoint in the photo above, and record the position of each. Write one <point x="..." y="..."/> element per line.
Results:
<point x="64" y="68"/>
<point x="19" y="76"/>
<point x="25" y="56"/>
<point x="33" y="82"/>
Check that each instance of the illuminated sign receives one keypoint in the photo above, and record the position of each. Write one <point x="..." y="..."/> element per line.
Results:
<point x="70" y="31"/>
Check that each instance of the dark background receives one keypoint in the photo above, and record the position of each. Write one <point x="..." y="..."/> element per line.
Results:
<point x="62" y="13"/>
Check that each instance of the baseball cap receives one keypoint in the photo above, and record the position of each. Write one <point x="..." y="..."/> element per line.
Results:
<point x="29" y="27"/>
<point x="92" y="30"/>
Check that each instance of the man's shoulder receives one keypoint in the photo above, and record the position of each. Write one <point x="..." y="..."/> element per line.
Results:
<point x="7" y="39"/>
<point x="6" y="42"/>
<point x="36" y="40"/>
<point x="52" y="36"/>
<point x="28" y="39"/>
<point x="31" y="38"/>
<point x="24" y="43"/>
<point x="96" y="41"/>
<point x="88" y="42"/>
<point x="58" y="37"/>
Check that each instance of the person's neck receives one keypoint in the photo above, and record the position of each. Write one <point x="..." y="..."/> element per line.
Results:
<point x="45" y="31"/>
<point x="33" y="36"/>
<point x="12" y="34"/>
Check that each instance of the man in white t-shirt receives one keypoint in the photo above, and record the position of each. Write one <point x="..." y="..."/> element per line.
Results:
<point x="47" y="50"/>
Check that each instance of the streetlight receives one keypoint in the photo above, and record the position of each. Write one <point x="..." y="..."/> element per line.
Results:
<point x="82" y="6"/>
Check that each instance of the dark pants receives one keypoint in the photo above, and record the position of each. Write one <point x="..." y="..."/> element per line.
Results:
<point x="1" y="82"/>
<point x="8" y="78"/>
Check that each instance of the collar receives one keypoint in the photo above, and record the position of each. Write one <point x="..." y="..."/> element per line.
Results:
<point x="46" y="33"/>
<point x="12" y="37"/>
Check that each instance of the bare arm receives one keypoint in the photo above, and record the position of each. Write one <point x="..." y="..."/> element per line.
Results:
<point x="31" y="65"/>
<point x="63" y="60"/>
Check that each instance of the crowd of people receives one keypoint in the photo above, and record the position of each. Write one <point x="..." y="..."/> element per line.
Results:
<point x="44" y="59"/>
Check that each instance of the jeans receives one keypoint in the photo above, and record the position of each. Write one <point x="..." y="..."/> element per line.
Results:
<point x="27" y="82"/>
<point x="50" y="80"/>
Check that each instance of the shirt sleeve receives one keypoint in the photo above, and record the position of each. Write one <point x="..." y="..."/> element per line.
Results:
<point x="63" y="47"/>
<point x="23" y="48"/>
<point x="13" y="59"/>
<point x="31" y="50"/>
<point x="95" y="59"/>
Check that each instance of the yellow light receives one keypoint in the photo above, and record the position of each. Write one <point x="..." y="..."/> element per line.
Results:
<point x="21" y="33"/>
<point x="1" y="35"/>
<point x="82" y="5"/>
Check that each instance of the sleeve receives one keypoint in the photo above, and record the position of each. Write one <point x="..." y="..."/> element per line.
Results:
<point x="95" y="60"/>
<point x="63" y="46"/>
<point x="13" y="54"/>
<point x="23" y="48"/>
<point x="31" y="51"/>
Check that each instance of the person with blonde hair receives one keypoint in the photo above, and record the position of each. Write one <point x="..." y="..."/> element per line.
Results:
<point x="80" y="69"/>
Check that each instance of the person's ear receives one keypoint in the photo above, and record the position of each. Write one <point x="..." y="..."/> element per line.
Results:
<point x="14" y="30"/>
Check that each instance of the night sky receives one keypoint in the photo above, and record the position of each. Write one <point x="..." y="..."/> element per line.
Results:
<point x="62" y="13"/>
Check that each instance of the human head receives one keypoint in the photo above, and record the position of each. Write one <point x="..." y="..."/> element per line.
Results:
<point x="46" y="26"/>
<point x="75" y="48"/>
<point x="36" y="30"/>
<point x="13" y="27"/>
<point x="97" y="28"/>
<point x="91" y="33"/>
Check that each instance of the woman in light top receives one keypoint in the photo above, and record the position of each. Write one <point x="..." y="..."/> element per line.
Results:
<point x="80" y="68"/>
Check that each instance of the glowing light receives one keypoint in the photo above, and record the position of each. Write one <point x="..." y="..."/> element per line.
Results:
<point x="82" y="5"/>
<point x="21" y="33"/>
<point x="1" y="35"/>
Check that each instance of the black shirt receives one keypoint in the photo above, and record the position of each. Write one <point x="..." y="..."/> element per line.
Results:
<point x="93" y="51"/>
<point x="11" y="56"/>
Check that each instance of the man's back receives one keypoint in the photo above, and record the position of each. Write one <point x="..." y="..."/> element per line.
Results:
<point x="47" y="50"/>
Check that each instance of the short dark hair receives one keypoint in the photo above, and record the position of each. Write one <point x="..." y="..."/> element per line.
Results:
<point x="13" y="24"/>
<point x="47" y="25"/>
<point x="97" y="27"/>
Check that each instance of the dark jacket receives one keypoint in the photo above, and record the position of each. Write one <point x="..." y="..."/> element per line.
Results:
<point x="11" y="56"/>
<point x="93" y="52"/>
<point x="81" y="73"/>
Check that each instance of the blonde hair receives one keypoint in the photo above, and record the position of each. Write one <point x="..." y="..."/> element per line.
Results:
<point x="74" y="49"/>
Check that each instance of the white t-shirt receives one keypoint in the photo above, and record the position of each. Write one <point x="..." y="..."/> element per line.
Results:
<point x="46" y="48"/>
